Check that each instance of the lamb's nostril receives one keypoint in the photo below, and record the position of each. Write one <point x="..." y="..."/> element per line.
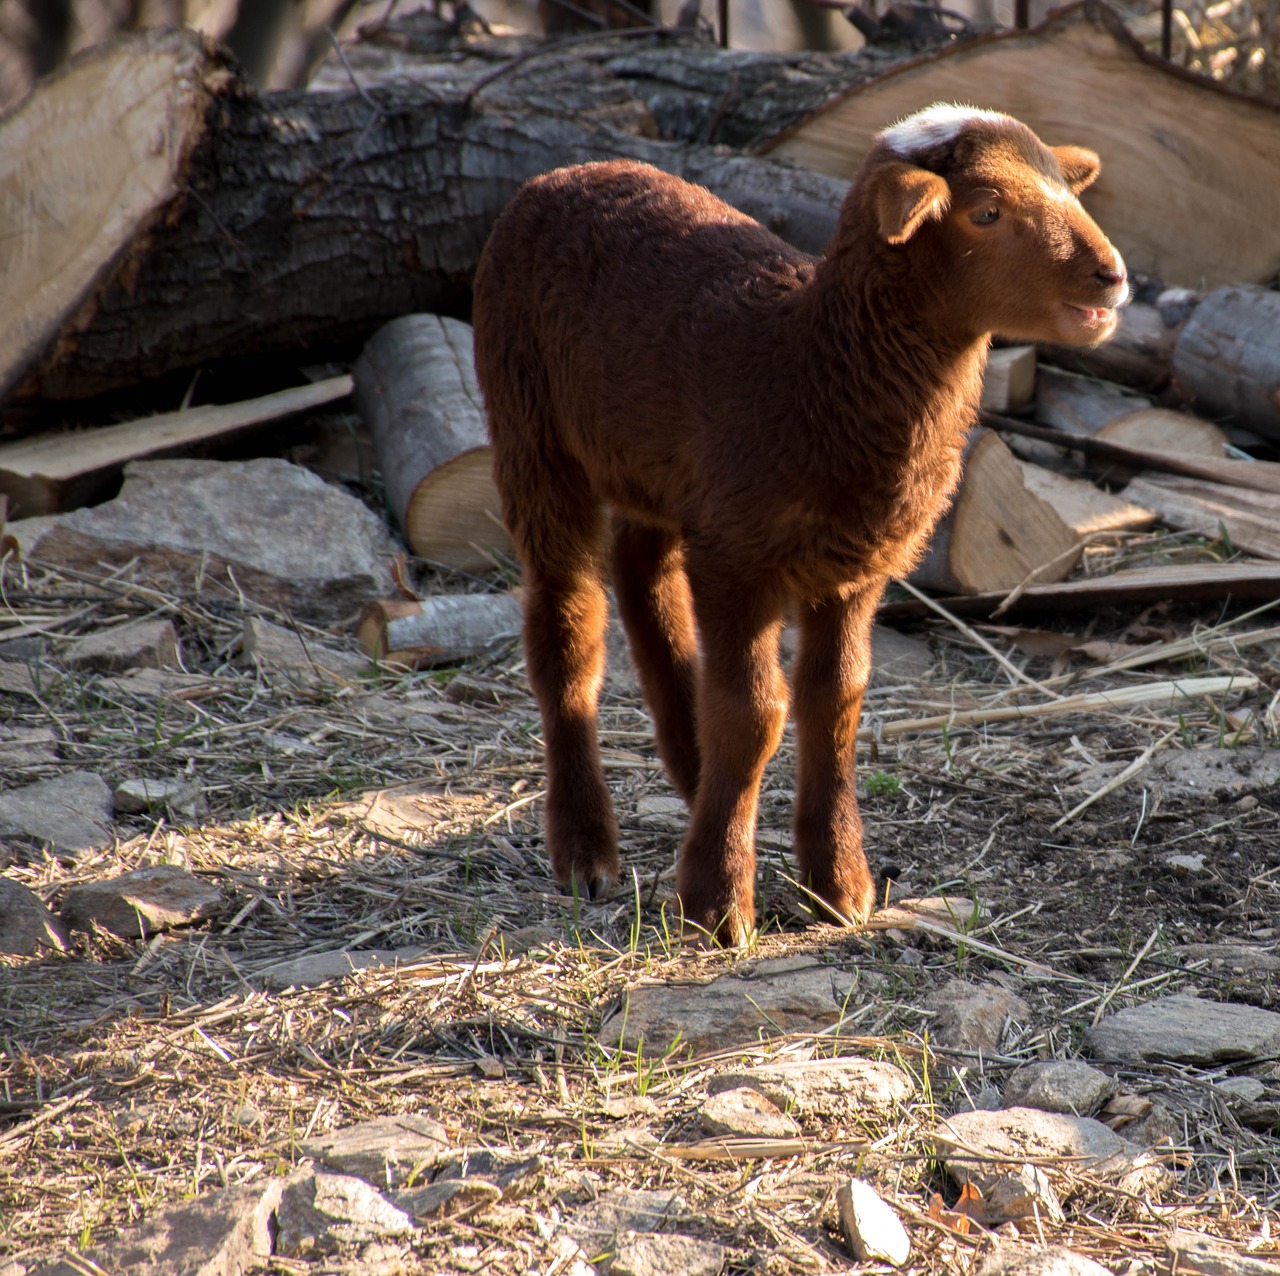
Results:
<point x="1110" y="278"/>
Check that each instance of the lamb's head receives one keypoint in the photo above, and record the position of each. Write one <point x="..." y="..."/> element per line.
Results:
<point x="976" y="198"/>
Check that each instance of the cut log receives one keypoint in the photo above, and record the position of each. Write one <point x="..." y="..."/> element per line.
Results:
<point x="1180" y="152"/>
<point x="1227" y="357"/>
<point x="444" y="630"/>
<point x="222" y="224"/>
<point x="1010" y="381"/>
<point x="1084" y="508"/>
<point x="415" y="387"/>
<point x="998" y="530"/>
<point x="1250" y="520"/>
<point x="1192" y="582"/>
<point x="1161" y="432"/>
<point x="55" y="472"/>
<point x="1081" y="404"/>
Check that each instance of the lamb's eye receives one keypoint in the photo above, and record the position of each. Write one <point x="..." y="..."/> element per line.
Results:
<point x="985" y="216"/>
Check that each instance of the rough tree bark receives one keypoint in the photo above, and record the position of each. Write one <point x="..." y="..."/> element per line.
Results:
<point x="293" y="221"/>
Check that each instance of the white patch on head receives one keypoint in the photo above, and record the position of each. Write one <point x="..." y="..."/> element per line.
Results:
<point x="937" y="123"/>
<point x="1055" y="190"/>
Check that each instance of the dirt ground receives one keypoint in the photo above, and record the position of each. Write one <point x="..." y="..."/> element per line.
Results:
<point x="402" y="811"/>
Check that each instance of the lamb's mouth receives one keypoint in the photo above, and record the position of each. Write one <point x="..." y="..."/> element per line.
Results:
<point x="1093" y="315"/>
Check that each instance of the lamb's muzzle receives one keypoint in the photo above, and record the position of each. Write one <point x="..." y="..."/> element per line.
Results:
<point x="769" y="433"/>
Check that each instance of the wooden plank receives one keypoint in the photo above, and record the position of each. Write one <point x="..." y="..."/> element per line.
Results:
<point x="43" y="475"/>
<point x="1190" y="582"/>
<point x="1010" y="381"/>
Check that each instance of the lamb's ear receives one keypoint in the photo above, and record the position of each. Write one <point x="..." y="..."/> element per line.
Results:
<point x="1080" y="166"/>
<point x="905" y="196"/>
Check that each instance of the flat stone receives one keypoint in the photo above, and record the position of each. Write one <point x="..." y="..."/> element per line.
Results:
<point x="1011" y="1259"/>
<point x="25" y="747"/>
<point x="666" y="1254"/>
<point x="148" y="644"/>
<point x="26" y="925"/>
<point x="745" y="1111"/>
<point x="897" y="657"/>
<point x="265" y="529"/>
<point x="142" y="902"/>
<point x="320" y="1212"/>
<point x="452" y="1198"/>
<point x="69" y="813"/>
<point x="872" y="1228"/>
<point x="764" y="999"/>
<point x="177" y="797"/>
<point x="1244" y="959"/>
<point x="1218" y="771"/>
<point x="973" y="1017"/>
<point x="319" y="968"/>
<point x="222" y="1233"/>
<point x="281" y="653"/>
<point x="511" y="1171"/>
<point x="16" y="679"/>
<point x="386" y="1150"/>
<point x="981" y="1146"/>
<point x="1059" y="1085"/>
<point x="810" y="1086"/>
<point x="1183" y="1029"/>
<point x="1193" y="1252"/>
<point x="661" y="810"/>
<point x="596" y="1225"/>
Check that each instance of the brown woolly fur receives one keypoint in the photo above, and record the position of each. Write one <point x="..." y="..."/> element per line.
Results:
<point x="771" y="433"/>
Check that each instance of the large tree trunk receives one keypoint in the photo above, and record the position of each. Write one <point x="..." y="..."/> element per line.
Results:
<point x="220" y="223"/>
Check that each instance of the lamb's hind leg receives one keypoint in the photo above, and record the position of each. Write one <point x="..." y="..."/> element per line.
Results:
<point x="561" y="545"/>
<point x="652" y="590"/>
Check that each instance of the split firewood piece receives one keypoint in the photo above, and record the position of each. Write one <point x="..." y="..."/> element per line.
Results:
<point x="998" y="530"/>
<point x="1084" y="508"/>
<point x="54" y="472"/>
<point x="1010" y="381"/>
<point x="415" y="387"/>
<point x="1081" y="404"/>
<point x="1250" y="520"/>
<point x="444" y="630"/>
<point x="1227" y="357"/>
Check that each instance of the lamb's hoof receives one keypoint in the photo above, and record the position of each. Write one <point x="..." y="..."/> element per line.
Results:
<point x="731" y="927"/>
<point x="843" y="908"/>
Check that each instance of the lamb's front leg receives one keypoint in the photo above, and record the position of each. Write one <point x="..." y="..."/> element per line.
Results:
<point x="830" y="676"/>
<point x="742" y="706"/>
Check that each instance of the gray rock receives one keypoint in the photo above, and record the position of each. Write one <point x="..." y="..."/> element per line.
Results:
<point x="265" y="528"/>
<point x="318" y="968"/>
<point x="222" y="1233"/>
<point x="282" y="654"/>
<point x="26" y="925"/>
<point x="1059" y="1085"/>
<point x="1183" y="1029"/>
<point x="765" y="998"/>
<point x="69" y="813"/>
<point x="872" y="1228"/>
<point x="1192" y="1252"/>
<point x="980" y="1147"/>
<point x="320" y="1212"/>
<point x="452" y="1198"/>
<point x="22" y="748"/>
<point x="142" y="902"/>
<point x="1009" y="1259"/>
<point x="147" y="644"/>
<point x="386" y="1150"/>
<point x="596" y="1225"/>
<point x="743" y="1110"/>
<point x="178" y="797"/>
<point x="666" y="1254"/>
<point x="1242" y="959"/>
<point x="973" y="1016"/>
<point x="806" y="1086"/>
<point x="1217" y="771"/>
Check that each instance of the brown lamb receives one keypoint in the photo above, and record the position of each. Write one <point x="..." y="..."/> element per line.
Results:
<point x="769" y="433"/>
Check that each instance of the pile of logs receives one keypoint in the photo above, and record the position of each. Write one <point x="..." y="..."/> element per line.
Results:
<point x="164" y="218"/>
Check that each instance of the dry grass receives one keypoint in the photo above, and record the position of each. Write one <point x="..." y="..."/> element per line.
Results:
<point x="402" y="813"/>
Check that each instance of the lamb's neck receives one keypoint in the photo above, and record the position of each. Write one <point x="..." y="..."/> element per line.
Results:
<point x="904" y="380"/>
